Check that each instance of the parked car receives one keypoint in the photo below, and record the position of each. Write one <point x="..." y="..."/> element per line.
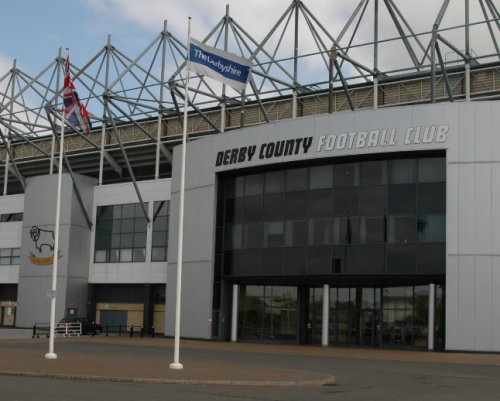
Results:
<point x="88" y="326"/>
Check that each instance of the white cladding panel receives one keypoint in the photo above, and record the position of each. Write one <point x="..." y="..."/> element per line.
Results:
<point x="483" y="313"/>
<point x="137" y="272"/>
<point x="495" y="304"/>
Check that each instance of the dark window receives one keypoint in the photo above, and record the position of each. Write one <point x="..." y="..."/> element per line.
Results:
<point x="402" y="229"/>
<point x="401" y="259"/>
<point x="372" y="259"/>
<point x="271" y="261"/>
<point x="319" y="260"/>
<point x="402" y="198"/>
<point x="432" y="170"/>
<point x="233" y="237"/>
<point x="160" y="232"/>
<point x="296" y="179"/>
<point x="369" y="217"/>
<point x="345" y="259"/>
<point x="273" y="206"/>
<point x="295" y="232"/>
<point x="346" y="175"/>
<point x="9" y="256"/>
<point x="320" y="203"/>
<point x="346" y="230"/>
<point x="253" y="235"/>
<point x="431" y="227"/>
<point x="431" y="258"/>
<point x="234" y="210"/>
<point x="373" y="230"/>
<point x="296" y="204"/>
<point x="402" y="171"/>
<point x="254" y="184"/>
<point x="294" y="261"/>
<point x="274" y="182"/>
<point x="373" y="200"/>
<point x="345" y="201"/>
<point x="274" y="233"/>
<point x="320" y="232"/>
<point x="252" y="208"/>
<point x="8" y="217"/>
<point x="121" y="234"/>
<point x="431" y="198"/>
<point x="321" y="177"/>
<point x="373" y="173"/>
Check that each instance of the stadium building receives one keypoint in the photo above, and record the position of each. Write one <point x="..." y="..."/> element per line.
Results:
<point x="353" y="205"/>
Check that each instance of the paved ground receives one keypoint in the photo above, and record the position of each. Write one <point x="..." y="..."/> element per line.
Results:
<point x="146" y="360"/>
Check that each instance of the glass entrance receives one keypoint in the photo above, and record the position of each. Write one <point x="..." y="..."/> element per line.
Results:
<point x="267" y="313"/>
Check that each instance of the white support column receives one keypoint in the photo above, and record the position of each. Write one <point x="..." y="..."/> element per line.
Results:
<point x="375" y="93"/>
<point x="103" y="145"/>
<point x="432" y="303"/>
<point x="234" y="313"/>
<point x="158" y="144"/>
<point x="326" y="316"/>
<point x="6" y="172"/>
<point x="294" y="104"/>
<point x="467" y="82"/>
<point x="222" y="117"/>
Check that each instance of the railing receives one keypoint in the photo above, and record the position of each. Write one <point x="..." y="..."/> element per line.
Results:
<point x="131" y="331"/>
<point x="68" y="329"/>
<point x="40" y="329"/>
<point x="75" y="329"/>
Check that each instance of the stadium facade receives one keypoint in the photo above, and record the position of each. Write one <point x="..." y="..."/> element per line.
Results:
<point x="350" y="214"/>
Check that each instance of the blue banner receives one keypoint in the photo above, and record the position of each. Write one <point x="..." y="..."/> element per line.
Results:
<point x="223" y="66"/>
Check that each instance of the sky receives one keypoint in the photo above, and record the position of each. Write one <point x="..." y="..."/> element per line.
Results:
<point x="32" y="31"/>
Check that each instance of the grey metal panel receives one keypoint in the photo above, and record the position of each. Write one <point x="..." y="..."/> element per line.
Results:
<point x="483" y="313"/>
<point x="482" y="133"/>
<point x="466" y="297"/>
<point x="196" y="301"/>
<point x="495" y="304"/>
<point x="495" y="207"/>
<point x="483" y="209"/>
<point x="452" y="306"/>
<point x="466" y="210"/>
<point x="452" y="215"/>
<point x="495" y="137"/>
<point x="466" y="139"/>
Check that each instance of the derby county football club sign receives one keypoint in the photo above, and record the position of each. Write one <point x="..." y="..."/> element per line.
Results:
<point x="43" y="240"/>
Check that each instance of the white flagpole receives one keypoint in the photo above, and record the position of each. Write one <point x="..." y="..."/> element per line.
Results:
<point x="51" y="354"/>
<point x="176" y="364"/>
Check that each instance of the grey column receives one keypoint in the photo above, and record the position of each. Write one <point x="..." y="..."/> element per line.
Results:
<point x="326" y="315"/>
<point x="234" y="313"/>
<point x="432" y="302"/>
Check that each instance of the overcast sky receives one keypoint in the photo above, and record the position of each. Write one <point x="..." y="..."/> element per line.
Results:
<point x="32" y="31"/>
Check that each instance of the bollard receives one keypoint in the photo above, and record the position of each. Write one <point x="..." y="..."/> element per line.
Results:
<point x="132" y="331"/>
<point x="34" y="331"/>
<point x="152" y="331"/>
<point x="120" y="330"/>
<point x="107" y="330"/>
<point x="142" y="332"/>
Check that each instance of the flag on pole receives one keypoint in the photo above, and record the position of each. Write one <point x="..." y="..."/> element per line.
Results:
<point x="74" y="110"/>
<point x="220" y="65"/>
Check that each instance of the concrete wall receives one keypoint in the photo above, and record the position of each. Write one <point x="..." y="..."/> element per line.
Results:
<point x="35" y="279"/>
<point x="466" y="131"/>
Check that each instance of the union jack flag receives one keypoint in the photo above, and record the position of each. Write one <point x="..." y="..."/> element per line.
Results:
<point x="74" y="110"/>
